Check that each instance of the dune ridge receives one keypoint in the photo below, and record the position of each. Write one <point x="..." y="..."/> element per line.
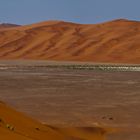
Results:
<point x="115" y="41"/>
<point x="7" y="26"/>
<point x="15" y="126"/>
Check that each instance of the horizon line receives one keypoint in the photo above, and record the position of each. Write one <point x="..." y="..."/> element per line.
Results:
<point x="69" y="21"/>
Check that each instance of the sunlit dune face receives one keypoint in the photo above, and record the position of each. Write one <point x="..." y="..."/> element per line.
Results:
<point x="116" y="42"/>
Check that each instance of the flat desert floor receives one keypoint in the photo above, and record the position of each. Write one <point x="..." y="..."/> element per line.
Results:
<point x="74" y="97"/>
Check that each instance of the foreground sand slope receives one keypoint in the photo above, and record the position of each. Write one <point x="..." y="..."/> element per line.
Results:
<point x="16" y="126"/>
<point x="115" y="41"/>
<point x="84" y="133"/>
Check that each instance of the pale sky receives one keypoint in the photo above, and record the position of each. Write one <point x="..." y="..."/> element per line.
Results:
<point x="81" y="11"/>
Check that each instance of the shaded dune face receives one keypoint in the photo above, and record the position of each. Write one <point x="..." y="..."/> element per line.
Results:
<point x="16" y="126"/>
<point x="7" y="25"/>
<point x="84" y="133"/>
<point x="115" y="41"/>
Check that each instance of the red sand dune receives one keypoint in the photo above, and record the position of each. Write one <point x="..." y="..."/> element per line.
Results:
<point x="116" y="41"/>
<point x="16" y="126"/>
<point x="7" y="25"/>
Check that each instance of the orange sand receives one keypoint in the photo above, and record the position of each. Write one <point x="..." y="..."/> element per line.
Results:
<point x="115" y="41"/>
<point x="16" y="126"/>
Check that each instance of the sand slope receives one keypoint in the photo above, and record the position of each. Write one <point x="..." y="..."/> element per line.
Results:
<point x="16" y="126"/>
<point x="7" y="26"/>
<point x="115" y="41"/>
<point x="24" y="127"/>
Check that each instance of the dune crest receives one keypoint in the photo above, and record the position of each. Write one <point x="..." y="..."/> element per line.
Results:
<point x="16" y="126"/>
<point x="115" y="41"/>
<point x="7" y="26"/>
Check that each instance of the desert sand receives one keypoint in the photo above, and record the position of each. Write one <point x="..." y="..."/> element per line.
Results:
<point x="4" y="26"/>
<point x="69" y="104"/>
<point x="77" y="104"/>
<point x="115" y="41"/>
<point x="17" y="126"/>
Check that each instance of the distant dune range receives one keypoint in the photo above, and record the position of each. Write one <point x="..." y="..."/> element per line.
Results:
<point x="117" y="41"/>
<point x="7" y="25"/>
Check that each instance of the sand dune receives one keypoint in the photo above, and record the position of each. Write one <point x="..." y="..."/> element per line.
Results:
<point x="115" y="41"/>
<point x="7" y="26"/>
<point x="16" y="126"/>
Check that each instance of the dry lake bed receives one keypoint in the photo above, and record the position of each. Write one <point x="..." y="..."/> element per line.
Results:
<point x="58" y="95"/>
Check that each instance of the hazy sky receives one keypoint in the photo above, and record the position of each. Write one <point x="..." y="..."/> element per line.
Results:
<point x="82" y="11"/>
